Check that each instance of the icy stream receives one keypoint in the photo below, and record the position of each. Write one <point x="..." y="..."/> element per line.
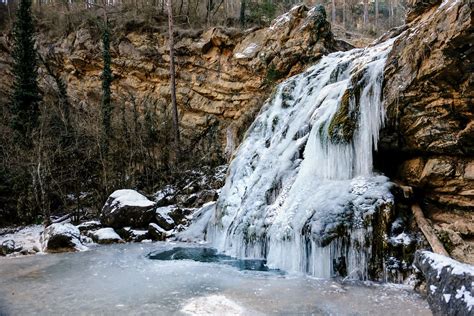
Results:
<point x="301" y="191"/>
<point x="121" y="280"/>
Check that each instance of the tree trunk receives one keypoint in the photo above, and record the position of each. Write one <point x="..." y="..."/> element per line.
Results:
<point x="242" y="12"/>
<point x="428" y="231"/>
<point x="172" y="79"/>
<point x="366" y="12"/>
<point x="333" y="11"/>
<point x="376" y="14"/>
<point x="344" y="13"/>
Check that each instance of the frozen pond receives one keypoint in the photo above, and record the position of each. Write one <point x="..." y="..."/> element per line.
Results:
<point x="121" y="279"/>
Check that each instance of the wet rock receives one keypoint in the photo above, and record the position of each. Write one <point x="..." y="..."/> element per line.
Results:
<point x="61" y="237"/>
<point x="106" y="236"/>
<point x="449" y="283"/>
<point x="127" y="208"/>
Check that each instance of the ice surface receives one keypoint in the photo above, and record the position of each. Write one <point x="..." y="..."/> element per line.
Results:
<point x="297" y="194"/>
<point x="120" y="280"/>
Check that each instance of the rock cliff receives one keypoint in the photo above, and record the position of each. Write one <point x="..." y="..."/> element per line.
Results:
<point x="429" y="97"/>
<point x="223" y="75"/>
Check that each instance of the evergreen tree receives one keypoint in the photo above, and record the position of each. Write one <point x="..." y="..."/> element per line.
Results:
<point x="26" y="95"/>
<point x="106" y="91"/>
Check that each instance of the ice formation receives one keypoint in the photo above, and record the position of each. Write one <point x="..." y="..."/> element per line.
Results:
<point x="301" y="191"/>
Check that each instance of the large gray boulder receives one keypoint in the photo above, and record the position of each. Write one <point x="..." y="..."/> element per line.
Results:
<point x="61" y="237"/>
<point x="449" y="284"/>
<point x="127" y="208"/>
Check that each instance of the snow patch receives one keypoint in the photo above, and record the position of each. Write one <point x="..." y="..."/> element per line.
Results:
<point x="212" y="305"/>
<point x="106" y="234"/>
<point x="466" y="296"/>
<point x="129" y="198"/>
<point x="248" y="52"/>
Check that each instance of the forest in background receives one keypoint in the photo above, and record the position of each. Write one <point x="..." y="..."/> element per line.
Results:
<point x="58" y="157"/>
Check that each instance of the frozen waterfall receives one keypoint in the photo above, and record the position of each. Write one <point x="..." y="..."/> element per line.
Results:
<point x="300" y="191"/>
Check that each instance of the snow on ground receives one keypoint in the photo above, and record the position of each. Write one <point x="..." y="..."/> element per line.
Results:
<point x="130" y="198"/>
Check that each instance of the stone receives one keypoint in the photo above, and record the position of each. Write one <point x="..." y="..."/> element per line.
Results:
<point x="7" y="247"/>
<point x="90" y="225"/>
<point x="106" y="235"/>
<point x="449" y="283"/>
<point x="437" y="167"/>
<point x="163" y="219"/>
<point x="469" y="171"/>
<point x="61" y="237"/>
<point x="155" y="232"/>
<point x="127" y="208"/>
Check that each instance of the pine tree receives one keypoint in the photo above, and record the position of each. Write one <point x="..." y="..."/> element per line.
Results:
<point x="26" y="95"/>
<point x="106" y="89"/>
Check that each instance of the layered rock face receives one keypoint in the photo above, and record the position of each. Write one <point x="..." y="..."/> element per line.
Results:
<point x="223" y="75"/>
<point x="429" y="97"/>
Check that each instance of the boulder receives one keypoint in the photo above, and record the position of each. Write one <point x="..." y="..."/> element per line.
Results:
<point x="449" y="283"/>
<point x="61" y="237"/>
<point x="90" y="225"/>
<point x="163" y="218"/>
<point x="155" y="232"/>
<point x="106" y="236"/>
<point x="127" y="208"/>
<point x="7" y="247"/>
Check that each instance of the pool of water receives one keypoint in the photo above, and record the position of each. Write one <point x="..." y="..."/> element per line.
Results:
<point x="203" y="254"/>
<point x="122" y="280"/>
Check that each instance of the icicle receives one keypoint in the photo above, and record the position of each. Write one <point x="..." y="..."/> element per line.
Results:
<point x="300" y="190"/>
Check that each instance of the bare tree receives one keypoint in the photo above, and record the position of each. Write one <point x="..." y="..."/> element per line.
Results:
<point x="366" y="12"/>
<point x="333" y="11"/>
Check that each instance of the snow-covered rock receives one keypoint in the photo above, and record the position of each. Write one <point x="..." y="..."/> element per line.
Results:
<point x="7" y="247"/>
<point x="450" y="283"/>
<point x="163" y="218"/>
<point x="106" y="236"/>
<point x="90" y="225"/>
<point x="60" y="237"/>
<point x="156" y="232"/>
<point x="26" y="239"/>
<point x="127" y="208"/>
<point x="196" y="232"/>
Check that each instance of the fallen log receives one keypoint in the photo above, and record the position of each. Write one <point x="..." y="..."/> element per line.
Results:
<point x="428" y="231"/>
